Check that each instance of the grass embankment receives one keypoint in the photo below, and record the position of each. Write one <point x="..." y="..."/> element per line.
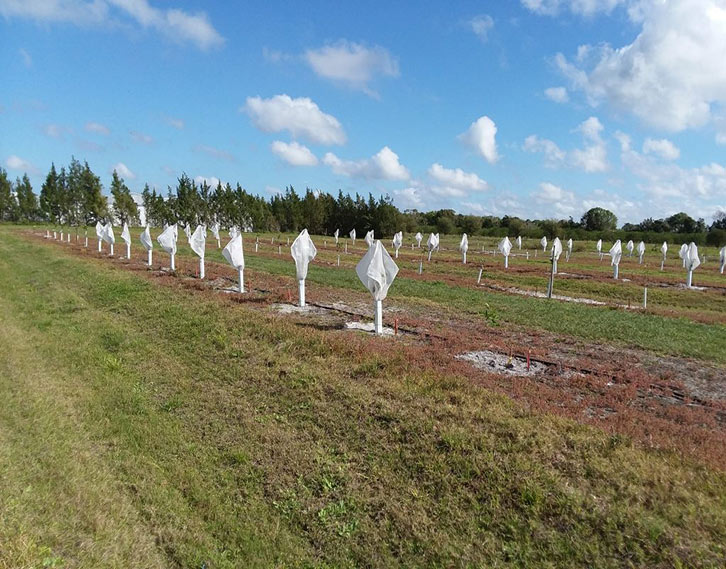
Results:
<point x="151" y="426"/>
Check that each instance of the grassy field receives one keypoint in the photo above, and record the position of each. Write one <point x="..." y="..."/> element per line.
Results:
<point x="152" y="426"/>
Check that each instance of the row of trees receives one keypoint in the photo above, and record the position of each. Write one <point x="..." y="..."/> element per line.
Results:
<point x="74" y="196"/>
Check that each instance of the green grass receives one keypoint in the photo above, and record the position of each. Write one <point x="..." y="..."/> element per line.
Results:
<point x="147" y="426"/>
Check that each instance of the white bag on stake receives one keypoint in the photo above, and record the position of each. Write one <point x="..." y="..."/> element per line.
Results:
<point x="303" y="251"/>
<point x="352" y="235"/>
<point x="519" y="242"/>
<point x="370" y="238"/>
<point x="167" y="240"/>
<point x="126" y="236"/>
<point x="682" y="253"/>
<point x="418" y="238"/>
<point x="234" y="253"/>
<point x="146" y="241"/>
<point x="641" y="252"/>
<point x="336" y="235"/>
<point x="215" y="233"/>
<point x="664" y="250"/>
<point x="432" y="243"/>
<point x="616" y="253"/>
<point x="188" y="231"/>
<point x="569" y="248"/>
<point x="692" y="262"/>
<point x="108" y="236"/>
<point x="543" y="242"/>
<point x="198" y="243"/>
<point x="505" y="247"/>
<point x="722" y="259"/>
<point x="376" y="270"/>
<point x="630" y="248"/>
<point x="556" y="252"/>
<point x="464" y="247"/>
<point x="397" y="242"/>
<point x="99" y="234"/>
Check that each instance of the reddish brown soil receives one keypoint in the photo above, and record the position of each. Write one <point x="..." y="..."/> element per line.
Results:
<point x="661" y="402"/>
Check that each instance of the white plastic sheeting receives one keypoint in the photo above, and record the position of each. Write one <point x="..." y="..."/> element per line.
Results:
<point x="303" y="251"/>
<point x="167" y="241"/>
<point x="352" y="235"/>
<point x="215" y="232"/>
<point x="505" y="247"/>
<point x="630" y="246"/>
<point x="519" y="242"/>
<point x="722" y="259"/>
<point x="108" y="236"/>
<point x="692" y="262"/>
<point x="556" y="252"/>
<point x="234" y="253"/>
<point x="464" y="247"/>
<point x="370" y="238"/>
<point x="432" y="243"/>
<point x="99" y="234"/>
<point x="418" y="238"/>
<point x="336" y="235"/>
<point x="397" y="242"/>
<point x="126" y="236"/>
<point x="569" y="248"/>
<point x="641" y="252"/>
<point x="376" y="270"/>
<point x="616" y="253"/>
<point x="188" y="232"/>
<point x="198" y="243"/>
<point x="664" y="250"/>
<point x="543" y="242"/>
<point x="147" y="243"/>
<point x="682" y="253"/>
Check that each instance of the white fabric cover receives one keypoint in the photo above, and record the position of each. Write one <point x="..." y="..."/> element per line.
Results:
<point x="569" y="245"/>
<point x="691" y="257"/>
<point x="188" y="231"/>
<point x="599" y="246"/>
<point x="630" y="247"/>
<point x="108" y="236"/>
<point x="641" y="249"/>
<point x="167" y="239"/>
<point x="505" y="246"/>
<point x="432" y="242"/>
<point x="145" y="238"/>
<point x="352" y="234"/>
<point x="722" y="255"/>
<point x="519" y="241"/>
<point x="556" y="248"/>
<point x="234" y="252"/>
<point x="398" y="240"/>
<point x="464" y="244"/>
<point x="376" y="270"/>
<point x="99" y="229"/>
<point x="616" y="253"/>
<point x="303" y="251"/>
<point x="543" y="242"/>
<point x="198" y="240"/>
<point x="125" y="234"/>
<point x="370" y="238"/>
<point x="215" y="230"/>
<point x="664" y="249"/>
<point x="418" y="238"/>
<point x="336" y="235"/>
<point x="233" y="232"/>
<point x="682" y="252"/>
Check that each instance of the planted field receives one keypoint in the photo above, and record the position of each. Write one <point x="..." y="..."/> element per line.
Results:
<point x="148" y="418"/>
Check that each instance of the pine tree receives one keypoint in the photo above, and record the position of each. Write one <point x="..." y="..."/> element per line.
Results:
<point x="7" y="200"/>
<point x="124" y="206"/>
<point x="27" y="200"/>
<point x="95" y="204"/>
<point x="50" y="196"/>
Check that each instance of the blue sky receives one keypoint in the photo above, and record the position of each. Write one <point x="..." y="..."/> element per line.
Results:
<point x="542" y="108"/>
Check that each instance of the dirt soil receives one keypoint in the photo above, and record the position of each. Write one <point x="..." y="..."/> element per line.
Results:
<point x="658" y="401"/>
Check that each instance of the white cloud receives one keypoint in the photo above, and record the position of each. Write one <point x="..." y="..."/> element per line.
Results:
<point x="26" y="58"/>
<point x="557" y="94"/>
<point x="481" y="25"/>
<point x="549" y="192"/>
<point x="177" y="25"/>
<point x="408" y="198"/>
<point x="663" y="148"/>
<point x="671" y="76"/>
<point x="382" y="166"/>
<point x="457" y="178"/>
<point x="14" y="162"/>
<point x="581" y="7"/>
<point x="123" y="171"/>
<point x="173" y="122"/>
<point x="592" y="157"/>
<point x="212" y="181"/>
<point x="56" y="130"/>
<point x="352" y="64"/>
<point x="97" y="128"/>
<point x="294" y="153"/>
<point x="141" y="137"/>
<point x="214" y="152"/>
<point x="481" y="135"/>
<point x="473" y="208"/>
<point x="301" y="117"/>
<point x="554" y="155"/>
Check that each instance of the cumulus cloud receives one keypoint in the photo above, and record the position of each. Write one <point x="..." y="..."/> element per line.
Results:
<point x="549" y="192"/>
<point x="481" y="136"/>
<point x="581" y="7"/>
<point x="301" y="117"/>
<point x="352" y="64"/>
<point x="663" y="148"/>
<point x="294" y="153"/>
<point x="557" y="94"/>
<point x="592" y="157"/>
<point x="383" y="166"/>
<point x="409" y="198"/>
<point x="214" y="152"/>
<point x="177" y="25"/>
<point x="123" y="171"/>
<point x="56" y="130"/>
<point x="671" y="76"/>
<point x="457" y="178"/>
<point x="97" y="128"/>
<point x="211" y="181"/>
<point x="14" y="162"/>
<point x="481" y="25"/>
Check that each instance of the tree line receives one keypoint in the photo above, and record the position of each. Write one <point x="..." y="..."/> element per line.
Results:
<point x="73" y="196"/>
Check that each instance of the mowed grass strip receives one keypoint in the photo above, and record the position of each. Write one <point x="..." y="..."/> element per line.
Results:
<point x="219" y="436"/>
